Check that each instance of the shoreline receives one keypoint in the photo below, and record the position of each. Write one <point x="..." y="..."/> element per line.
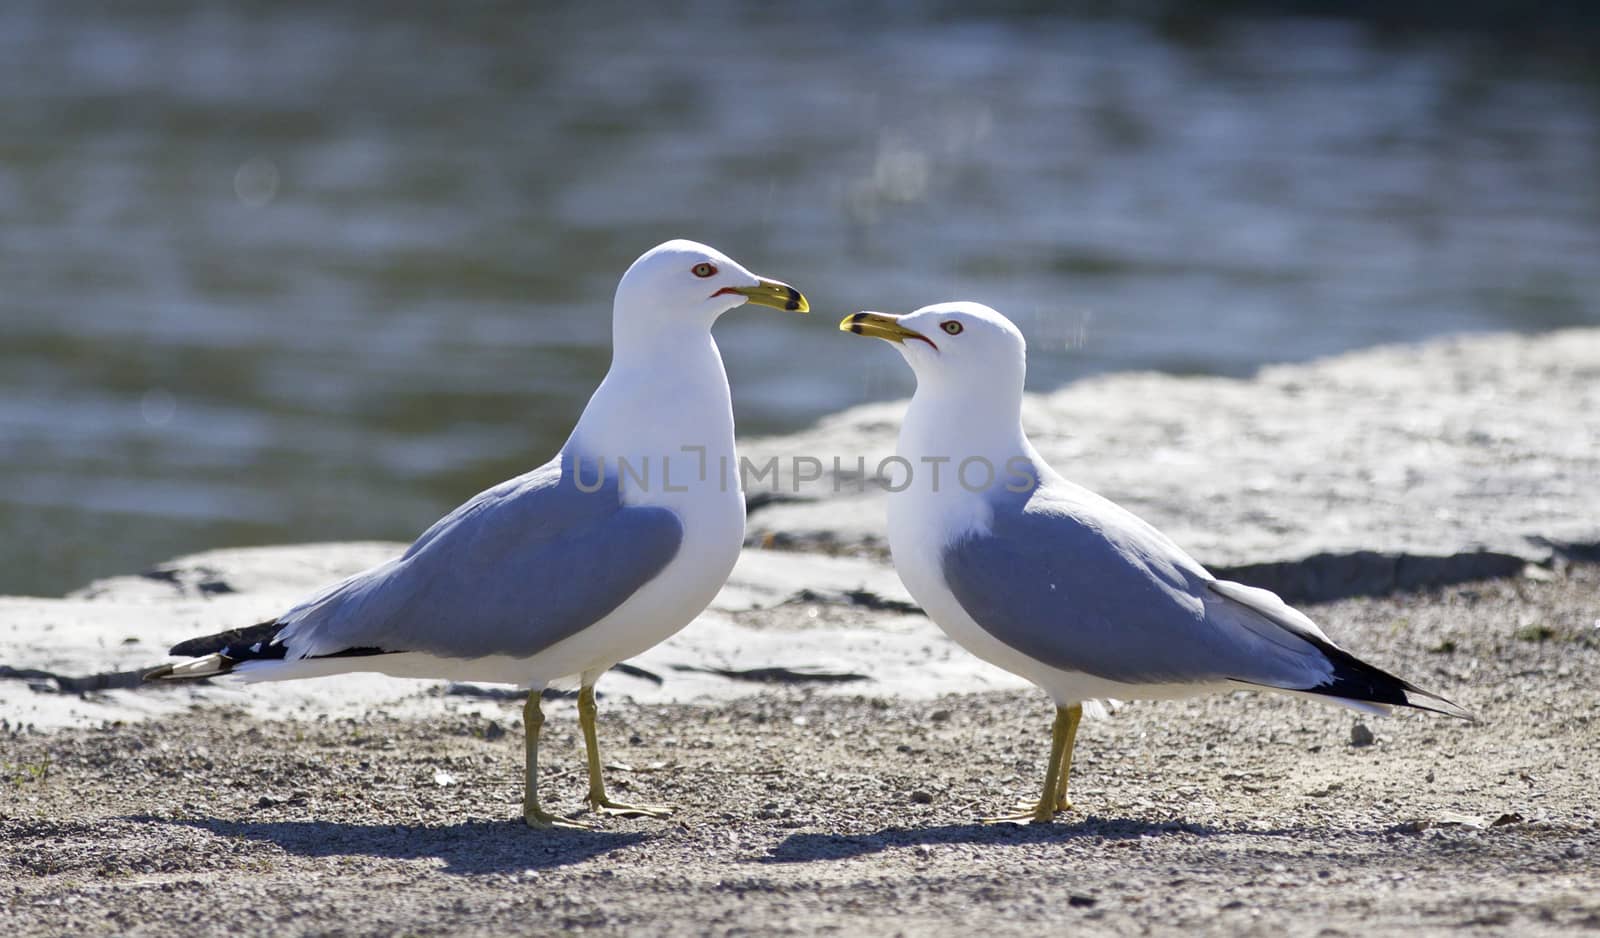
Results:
<point x="1472" y="466"/>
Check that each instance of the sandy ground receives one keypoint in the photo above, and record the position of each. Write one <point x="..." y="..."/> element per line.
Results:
<point x="803" y="812"/>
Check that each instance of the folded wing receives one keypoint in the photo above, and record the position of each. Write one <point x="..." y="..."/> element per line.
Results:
<point x="1081" y="584"/>
<point x="513" y="571"/>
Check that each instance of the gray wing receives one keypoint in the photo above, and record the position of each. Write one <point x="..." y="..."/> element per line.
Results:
<point x="516" y="569"/>
<point x="1072" y="580"/>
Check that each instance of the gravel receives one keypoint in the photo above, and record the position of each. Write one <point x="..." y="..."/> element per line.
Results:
<point x="805" y="812"/>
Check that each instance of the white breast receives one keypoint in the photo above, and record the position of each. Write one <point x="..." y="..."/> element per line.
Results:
<point x="670" y="435"/>
<point x="924" y="518"/>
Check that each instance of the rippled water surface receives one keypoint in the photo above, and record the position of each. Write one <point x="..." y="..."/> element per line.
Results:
<point x="281" y="272"/>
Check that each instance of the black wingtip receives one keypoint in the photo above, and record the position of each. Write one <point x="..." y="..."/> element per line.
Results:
<point x="1354" y="679"/>
<point x="217" y="654"/>
<point x="1433" y="703"/>
<point x="261" y="633"/>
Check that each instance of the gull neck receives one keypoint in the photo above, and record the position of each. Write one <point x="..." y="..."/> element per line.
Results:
<point x="960" y="423"/>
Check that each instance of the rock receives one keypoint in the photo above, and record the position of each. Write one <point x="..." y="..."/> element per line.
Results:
<point x="1361" y="735"/>
<point x="1391" y="468"/>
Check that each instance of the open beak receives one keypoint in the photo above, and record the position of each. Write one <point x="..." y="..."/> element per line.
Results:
<point x="882" y="326"/>
<point x="773" y="293"/>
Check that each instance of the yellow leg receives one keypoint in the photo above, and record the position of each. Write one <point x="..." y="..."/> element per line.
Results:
<point x="532" y="814"/>
<point x="597" y="785"/>
<point x="1063" y="735"/>
<point x="1074" y="714"/>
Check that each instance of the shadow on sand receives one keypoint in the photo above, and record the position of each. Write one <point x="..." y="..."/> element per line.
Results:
<point x="808" y="848"/>
<point x="467" y="848"/>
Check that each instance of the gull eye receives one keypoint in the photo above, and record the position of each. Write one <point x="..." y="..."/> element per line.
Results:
<point x="951" y="327"/>
<point x="703" y="269"/>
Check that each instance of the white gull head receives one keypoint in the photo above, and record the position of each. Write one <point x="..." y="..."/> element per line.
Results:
<point x="962" y="348"/>
<point x="666" y="389"/>
<point x="970" y="364"/>
<point x="682" y="283"/>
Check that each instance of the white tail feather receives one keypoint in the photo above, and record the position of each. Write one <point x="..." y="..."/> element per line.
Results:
<point x="209" y="666"/>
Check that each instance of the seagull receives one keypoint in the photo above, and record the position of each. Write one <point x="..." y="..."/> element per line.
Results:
<point x="1060" y="586"/>
<point x="554" y="576"/>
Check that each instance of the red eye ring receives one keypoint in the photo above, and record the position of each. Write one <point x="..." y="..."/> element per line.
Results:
<point x="703" y="270"/>
<point x="951" y="327"/>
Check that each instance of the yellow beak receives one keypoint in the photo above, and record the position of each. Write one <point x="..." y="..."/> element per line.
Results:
<point x="880" y="326"/>
<point x="773" y="293"/>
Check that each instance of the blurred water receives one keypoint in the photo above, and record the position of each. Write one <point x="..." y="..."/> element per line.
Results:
<point x="280" y="272"/>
